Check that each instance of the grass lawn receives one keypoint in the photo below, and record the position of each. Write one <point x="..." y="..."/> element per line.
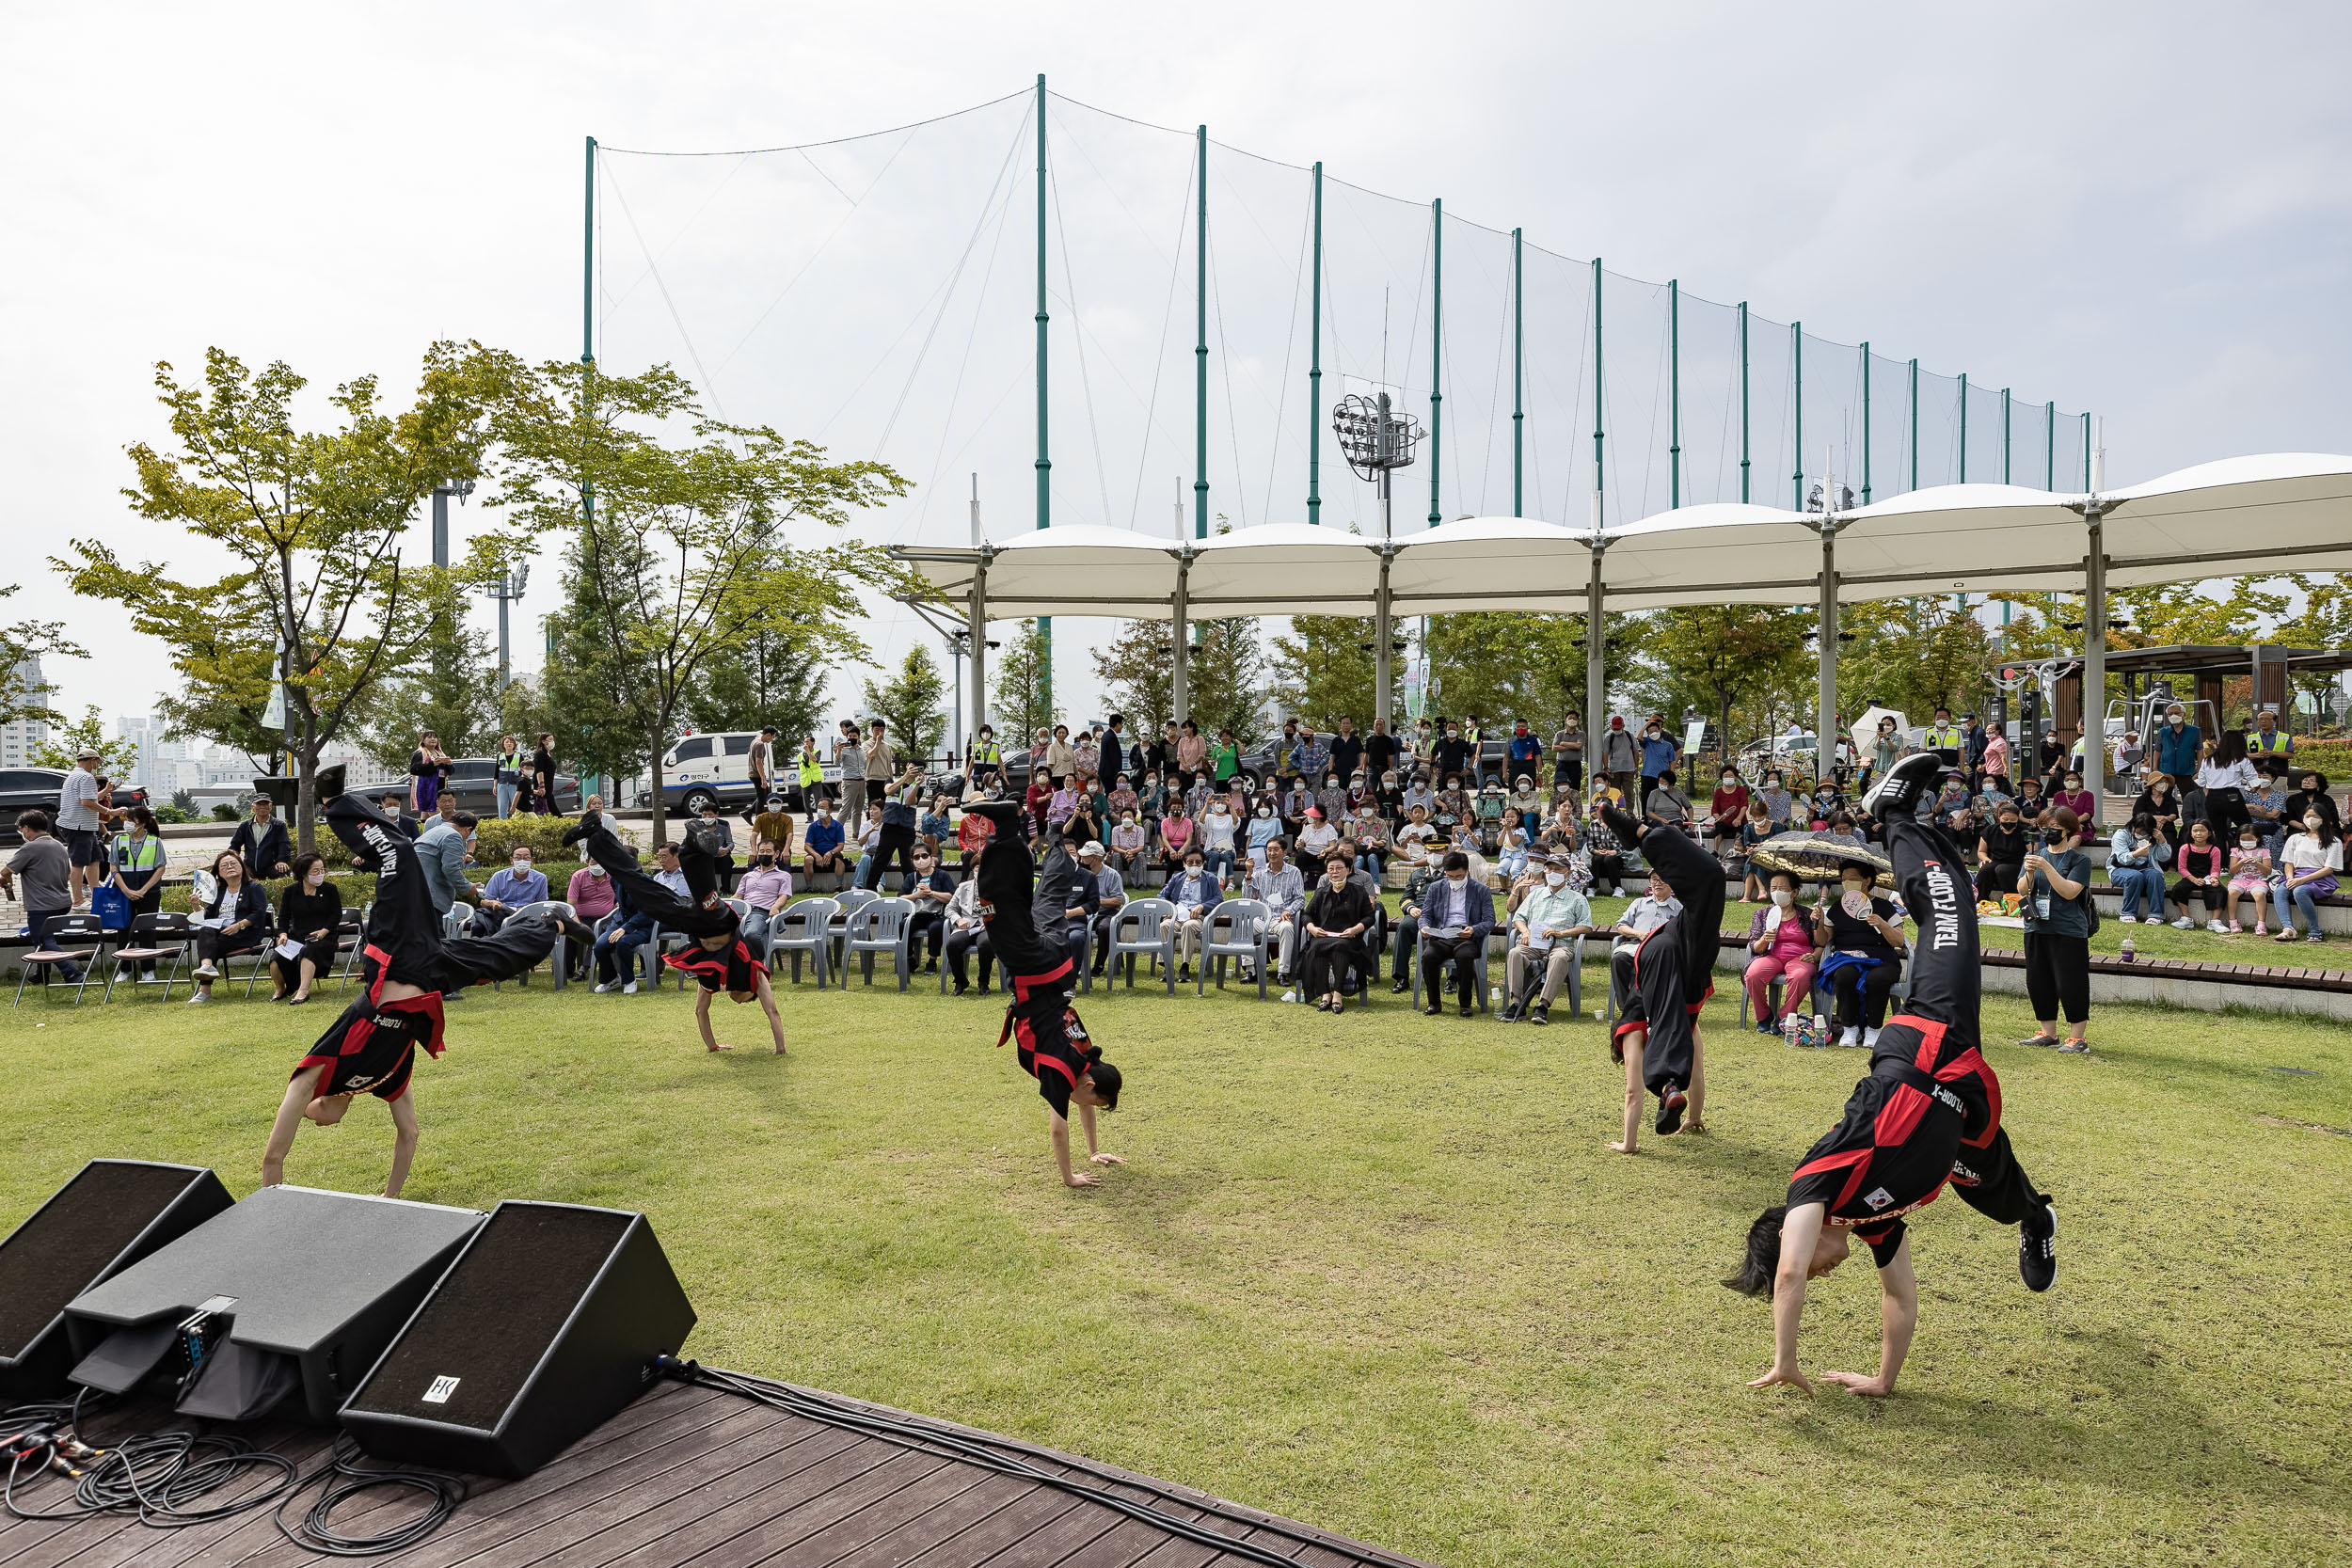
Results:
<point x="1379" y="1273"/>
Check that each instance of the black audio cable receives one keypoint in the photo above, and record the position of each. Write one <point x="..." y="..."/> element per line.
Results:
<point x="346" y="1480"/>
<point x="951" y="1445"/>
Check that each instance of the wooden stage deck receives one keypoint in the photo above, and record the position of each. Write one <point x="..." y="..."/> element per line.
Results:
<point x="691" y="1475"/>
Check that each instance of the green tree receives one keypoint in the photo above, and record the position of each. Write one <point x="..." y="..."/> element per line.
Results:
<point x="1024" y="701"/>
<point x="20" y="642"/>
<point x="912" y="704"/>
<point x="1225" y="679"/>
<point x="1716" y="658"/>
<point x="1138" y="674"/>
<point x="681" y="544"/>
<point x="1511" y="665"/>
<point x="1325" y="668"/>
<point x="776" y="675"/>
<point x="312" y="520"/>
<point x="446" y="683"/>
<point x="67" y="738"/>
<point x="1915" y="654"/>
<point x="578" y="684"/>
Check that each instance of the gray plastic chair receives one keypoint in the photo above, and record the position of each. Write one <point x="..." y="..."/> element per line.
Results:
<point x="851" y="900"/>
<point x="877" y="925"/>
<point x="1423" y="977"/>
<point x="1154" y="924"/>
<point x="804" y="928"/>
<point x="556" y="955"/>
<point x="1576" y="981"/>
<point x="1246" y="922"/>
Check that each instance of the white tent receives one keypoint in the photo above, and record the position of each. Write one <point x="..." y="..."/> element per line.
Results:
<point x="2280" y="511"/>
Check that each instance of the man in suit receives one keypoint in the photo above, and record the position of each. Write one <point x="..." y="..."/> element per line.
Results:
<point x="1457" y="915"/>
<point x="259" y="840"/>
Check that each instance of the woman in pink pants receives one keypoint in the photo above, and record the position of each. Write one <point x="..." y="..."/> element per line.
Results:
<point x="1780" y="947"/>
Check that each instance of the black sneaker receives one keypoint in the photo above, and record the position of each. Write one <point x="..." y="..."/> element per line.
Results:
<point x="1400" y="987"/>
<point x="1900" y="789"/>
<point x="1670" y="1108"/>
<point x="1542" y="1013"/>
<point x="1511" y="1011"/>
<point x="961" y="988"/>
<point x="2037" y="1247"/>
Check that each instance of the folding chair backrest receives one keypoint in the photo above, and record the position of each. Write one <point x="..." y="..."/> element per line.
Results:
<point x="1239" y="918"/>
<point x="1147" y="916"/>
<point x="811" y="915"/>
<point x="76" y="928"/>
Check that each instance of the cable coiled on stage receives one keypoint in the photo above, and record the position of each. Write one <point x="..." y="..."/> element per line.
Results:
<point x="346" y="1481"/>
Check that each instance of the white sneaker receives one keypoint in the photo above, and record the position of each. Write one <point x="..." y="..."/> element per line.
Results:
<point x="607" y="986"/>
<point x="2216" y="927"/>
<point x="1289" y="996"/>
<point x="208" y="971"/>
<point x="200" y="997"/>
<point x="2128" y="919"/>
<point x="1851" y="1037"/>
<point x="629" y="989"/>
<point x="1871" y="1038"/>
<point x="2184" y="924"/>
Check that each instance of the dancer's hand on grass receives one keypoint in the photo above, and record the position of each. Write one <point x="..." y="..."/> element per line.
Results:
<point x="1870" y="1386"/>
<point x="1101" y="1158"/>
<point x="1789" y="1375"/>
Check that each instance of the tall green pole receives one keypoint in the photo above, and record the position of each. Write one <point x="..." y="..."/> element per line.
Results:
<point x="1914" y="399"/>
<point x="1201" y="345"/>
<point x="1045" y="464"/>
<point x="2004" y="446"/>
<point x="1519" y="372"/>
<point x="1743" y="401"/>
<point x="2049" y="445"/>
<point x="1674" y="419"/>
<point x="1866" y="424"/>
<point x="1598" y="485"/>
<point x="1314" y="369"/>
<point x="1963" y="427"/>
<point x="1796" y="340"/>
<point x="1436" y="349"/>
<point x="588" y="264"/>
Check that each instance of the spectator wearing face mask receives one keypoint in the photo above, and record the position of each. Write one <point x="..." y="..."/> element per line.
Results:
<point x="2074" y="796"/>
<point x="1886" y="750"/>
<point x="1130" y="847"/>
<point x="1620" y="752"/>
<point x="1782" y="945"/>
<point x="2249" y="878"/>
<point x="1195" y="890"/>
<point x="1780" y="807"/>
<point x="2308" y="863"/>
<point x="310" y="925"/>
<point x="1864" y="936"/>
<point x="822" y="843"/>
<point x="1725" y="810"/>
<point x="1219" y="828"/>
<point x="2055" y="886"/>
<point x="590" y="894"/>
<point x="2178" y="746"/>
<point x="1317" y="840"/>
<point x="1176" y="834"/>
<point x="1659" y="753"/>
<point x="1419" y="794"/>
<point x="1665" y="805"/>
<point x="1523" y="751"/>
<point x="515" y="885"/>
<point x="1453" y="752"/>
<point x="1264" y="828"/>
<point x="1332" y="799"/>
<point x="767" y="887"/>
<point x="1544" y="929"/>
<point x="1457" y="915"/>
<point x="1995" y="763"/>
<point x="2136" y="856"/>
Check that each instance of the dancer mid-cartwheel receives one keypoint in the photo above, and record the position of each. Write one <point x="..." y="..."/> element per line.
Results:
<point x="1929" y="1112"/>
<point x="1052" y="1043"/>
<point x="1674" y="972"/>
<point x="719" y="959"/>
<point x="405" y="966"/>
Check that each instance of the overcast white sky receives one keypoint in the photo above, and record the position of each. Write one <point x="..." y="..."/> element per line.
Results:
<point x="2137" y="209"/>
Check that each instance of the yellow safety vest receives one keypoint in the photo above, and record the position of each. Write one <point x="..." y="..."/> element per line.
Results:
<point x="812" y="770"/>
<point x="987" y="753"/>
<point x="2271" y="744"/>
<point x="1947" y="738"/>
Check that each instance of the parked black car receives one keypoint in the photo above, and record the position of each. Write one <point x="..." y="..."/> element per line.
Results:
<point x="37" y="788"/>
<point x="474" y="783"/>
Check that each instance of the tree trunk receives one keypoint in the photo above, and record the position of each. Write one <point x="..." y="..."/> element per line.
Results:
<point x="653" y="770"/>
<point x="305" y="785"/>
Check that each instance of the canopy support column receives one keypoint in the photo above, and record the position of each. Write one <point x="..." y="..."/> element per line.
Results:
<point x="1825" y="715"/>
<point x="1596" y="650"/>
<point x="975" y="622"/>
<point x="2095" y="647"/>
<point x="1383" y="655"/>
<point x="1180" y="699"/>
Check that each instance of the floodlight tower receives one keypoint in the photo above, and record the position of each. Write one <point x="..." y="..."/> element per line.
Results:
<point x="1377" y="440"/>
<point x="508" y="589"/>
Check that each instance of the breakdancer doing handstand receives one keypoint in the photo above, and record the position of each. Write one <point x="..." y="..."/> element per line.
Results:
<point x="1050" y="1042"/>
<point x="405" y="966"/>
<point x="719" y="959"/>
<point x="1929" y="1112"/>
<point x="1673" y="976"/>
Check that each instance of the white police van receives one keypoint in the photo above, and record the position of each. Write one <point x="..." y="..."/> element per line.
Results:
<point x="715" y="768"/>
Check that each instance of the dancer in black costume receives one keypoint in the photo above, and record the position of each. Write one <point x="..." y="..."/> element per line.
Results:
<point x="1929" y="1112"/>
<point x="720" y="959"/>
<point x="1674" y="975"/>
<point x="406" y="967"/>
<point x="1051" y="1042"/>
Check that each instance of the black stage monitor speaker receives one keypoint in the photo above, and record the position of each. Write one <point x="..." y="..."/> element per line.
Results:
<point x="112" y="1213"/>
<point x="545" y="1326"/>
<point x="292" y="1291"/>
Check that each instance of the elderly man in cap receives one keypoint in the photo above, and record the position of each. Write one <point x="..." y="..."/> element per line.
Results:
<point x="81" y="815"/>
<point x="1108" y="896"/>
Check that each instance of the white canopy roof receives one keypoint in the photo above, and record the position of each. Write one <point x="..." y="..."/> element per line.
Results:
<point x="2280" y="511"/>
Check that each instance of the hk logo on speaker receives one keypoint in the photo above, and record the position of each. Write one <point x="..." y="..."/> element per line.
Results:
<point x="442" y="1389"/>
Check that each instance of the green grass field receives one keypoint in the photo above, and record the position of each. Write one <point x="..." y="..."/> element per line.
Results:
<point x="1379" y="1273"/>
